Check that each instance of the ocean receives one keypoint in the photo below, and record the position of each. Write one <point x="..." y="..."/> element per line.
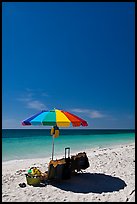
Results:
<point x="37" y="143"/>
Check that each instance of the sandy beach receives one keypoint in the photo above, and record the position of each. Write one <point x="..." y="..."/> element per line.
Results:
<point x="110" y="177"/>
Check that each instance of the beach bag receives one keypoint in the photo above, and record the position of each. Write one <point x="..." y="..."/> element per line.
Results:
<point x="74" y="163"/>
<point x="79" y="161"/>
<point x="82" y="161"/>
<point x="55" y="170"/>
<point x="51" y="172"/>
<point x="54" y="131"/>
<point x="34" y="176"/>
<point x="33" y="180"/>
<point x="59" y="171"/>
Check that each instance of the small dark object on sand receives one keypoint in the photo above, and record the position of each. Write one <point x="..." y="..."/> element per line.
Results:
<point x="22" y="185"/>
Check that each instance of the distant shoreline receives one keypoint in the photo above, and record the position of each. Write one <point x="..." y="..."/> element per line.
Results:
<point x="75" y="128"/>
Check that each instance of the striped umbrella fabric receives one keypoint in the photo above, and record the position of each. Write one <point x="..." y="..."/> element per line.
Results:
<point x="55" y="117"/>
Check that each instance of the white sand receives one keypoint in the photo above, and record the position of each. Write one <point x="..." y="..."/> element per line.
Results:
<point x="110" y="177"/>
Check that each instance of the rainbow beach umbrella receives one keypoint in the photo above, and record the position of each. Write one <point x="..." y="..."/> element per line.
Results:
<point x="56" y="118"/>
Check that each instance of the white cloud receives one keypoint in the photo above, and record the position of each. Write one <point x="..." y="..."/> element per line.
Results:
<point x="23" y="99"/>
<point x="30" y="101"/>
<point x="44" y="94"/>
<point x="29" y="90"/>
<point x="37" y="105"/>
<point x="96" y="114"/>
<point x="26" y="97"/>
<point x="78" y="110"/>
<point x="89" y="113"/>
<point x="40" y="92"/>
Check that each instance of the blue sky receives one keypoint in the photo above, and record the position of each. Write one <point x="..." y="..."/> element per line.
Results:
<point x="78" y="57"/>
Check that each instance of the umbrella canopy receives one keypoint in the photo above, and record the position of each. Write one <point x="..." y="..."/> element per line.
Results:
<point x="56" y="118"/>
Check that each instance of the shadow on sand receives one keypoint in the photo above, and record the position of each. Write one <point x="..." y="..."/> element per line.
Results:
<point x="95" y="183"/>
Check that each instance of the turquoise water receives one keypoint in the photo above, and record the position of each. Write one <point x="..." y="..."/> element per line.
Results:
<point x="23" y="144"/>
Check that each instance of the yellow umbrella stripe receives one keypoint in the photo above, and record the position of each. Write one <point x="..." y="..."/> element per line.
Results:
<point x="61" y="119"/>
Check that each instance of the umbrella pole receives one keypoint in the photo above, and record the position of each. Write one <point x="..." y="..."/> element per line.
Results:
<point x="52" y="146"/>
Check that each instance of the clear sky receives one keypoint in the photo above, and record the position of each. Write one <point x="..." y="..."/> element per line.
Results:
<point x="78" y="57"/>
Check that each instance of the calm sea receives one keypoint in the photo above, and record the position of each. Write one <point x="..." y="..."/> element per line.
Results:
<point x="37" y="143"/>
